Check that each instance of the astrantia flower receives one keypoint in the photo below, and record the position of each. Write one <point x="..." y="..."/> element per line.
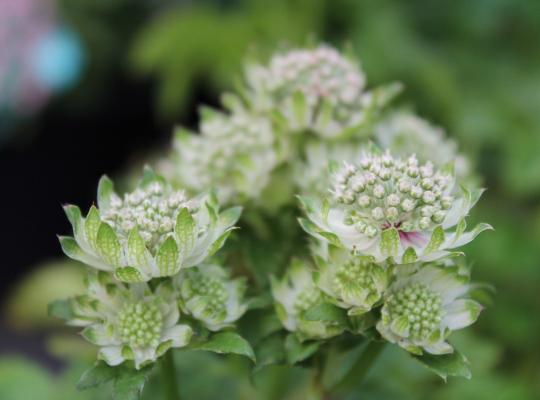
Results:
<point x="129" y="322"/>
<point x="296" y="294"/>
<point x="353" y="282"/>
<point x="209" y="295"/>
<point x="385" y="206"/>
<point x="404" y="133"/>
<point x="153" y="231"/>
<point x="317" y="89"/>
<point x="234" y="154"/>
<point x="422" y="309"/>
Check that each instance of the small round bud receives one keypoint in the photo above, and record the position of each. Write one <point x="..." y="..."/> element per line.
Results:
<point x="377" y="213"/>
<point x="364" y="201"/>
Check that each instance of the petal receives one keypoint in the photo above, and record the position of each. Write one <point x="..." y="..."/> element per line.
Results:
<point x="112" y="355"/>
<point x="179" y="334"/>
<point x="439" y="348"/>
<point x="461" y="313"/>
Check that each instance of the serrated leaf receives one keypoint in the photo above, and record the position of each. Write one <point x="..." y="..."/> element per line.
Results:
<point x="185" y="230"/>
<point x="105" y="192"/>
<point x="61" y="309"/>
<point x="108" y="245"/>
<point x="228" y="343"/>
<point x="167" y="258"/>
<point x="297" y="351"/>
<point x="437" y="238"/>
<point x="328" y="313"/>
<point x="389" y="242"/>
<point x="98" y="375"/>
<point x="455" y="364"/>
<point x="91" y="226"/>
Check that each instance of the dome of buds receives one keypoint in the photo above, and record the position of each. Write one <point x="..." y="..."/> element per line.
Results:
<point x="128" y="323"/>
<point x="209" y="295"/>
<point x="234" y="154"/>
<point x="422" y="308"/>
<point x="153" y="231"/>
<point x="351" y="281"/>
<point x="385" y="206"/>
<point x="405" y="133"/>
<point x="295" y="295"/>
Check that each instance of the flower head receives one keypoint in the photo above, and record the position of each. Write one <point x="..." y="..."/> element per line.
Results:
<point x="234" y="154"/>
<point x="153" y="231"/>
<point x="295" y="295"/>
<point x="129" y="322"/>
<point x="384" y="206"/>
<point x="317" y="89"/>
<point x="209" y="295"/>
<point x="353" y="282"/>
<point x="421" y="309"/>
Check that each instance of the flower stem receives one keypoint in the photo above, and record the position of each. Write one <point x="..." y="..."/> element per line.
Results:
<point x="364" y="364"/>
<point x="169" y="377"/>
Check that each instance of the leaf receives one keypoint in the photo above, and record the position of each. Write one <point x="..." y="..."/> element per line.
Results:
<point x="185" y="230"/>
<point x="98" y="375"/>
<point x="409" y="256"/>
<point x="137" y="253"/>
<point x="60" y="309"/>
<point x="227" y="343"/>
<point x="298" y="351"/>
<point x="167" y="258"/>
<point x="270" y="351"/>
<point x="339" y="362"/>
<point x="230" y="216"/>
<point x="129" y="383"/>
<point x="108" y="245"/>
<point x="328" y="313"/>
<point x="128" y="274"/>
<point x="455" y="364"/>
<point x="437" y="238"/>
<point x="74" y="216"/>
<point x="389" y="242"/>
<point x="219" y="242"/>
<point x="105" y="192"/>
<point x="91" y="226"/>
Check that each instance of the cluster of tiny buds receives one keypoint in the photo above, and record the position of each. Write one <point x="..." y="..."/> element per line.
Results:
<point x="354" y="274"/>
<point x="153" y="210"/>
<point x="212" y="289"/>
<point x="306" y="299"/>
<point x="318" y="73"/>
<point x="382" y="191"/>
<point x="140" y="324"/>
<point x="420" y="306"/>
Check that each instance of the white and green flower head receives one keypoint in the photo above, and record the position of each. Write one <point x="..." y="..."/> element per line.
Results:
<point x="129" y="322"/>
<point x="385" y="206"/>
<point x="153" y="231"/>
<point x="421" y="309"/>
<point x="405" y="133"/>
<point x="353" y="282"/>
<point x="317" y="89"/>
<point x="294" y="295"/>
<point x="235" y="154"/>
<point x="209" y="295"/>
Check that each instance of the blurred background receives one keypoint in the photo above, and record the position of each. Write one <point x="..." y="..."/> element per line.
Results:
<point x="95" y="86"/>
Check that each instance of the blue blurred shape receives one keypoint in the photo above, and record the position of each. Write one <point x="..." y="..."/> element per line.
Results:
<point x="58" y="59"/>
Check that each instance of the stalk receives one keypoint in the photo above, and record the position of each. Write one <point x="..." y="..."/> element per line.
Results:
<point x="169" y="377"/>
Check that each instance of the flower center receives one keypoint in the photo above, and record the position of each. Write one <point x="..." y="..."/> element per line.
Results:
<point x="212" y="289"/>
<point x="383" y="192"/>
<point x="307" y="299"/>
<point x="421" y="307"/>
<point x="355" y="276"/>
<point x="140" y="324"/>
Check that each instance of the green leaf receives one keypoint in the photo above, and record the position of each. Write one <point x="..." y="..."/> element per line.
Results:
<point x="98" y="375"/>
<point x="129" y="383"/>
<point x="299" y="351"/>
<point x="389" y="242"/>
<point x="270" y="351"/>
<point x="219" y="242"/>
<point x="227" y="343"/>
<point x="91" y="226"/>
<point x="409" y="256"/>
<point x="70" y="247"/>
<point x="455" y="364"/>
<point x="339" y="362"/>
<point x="437" y="238"/>
<point x="185" y="229"/>
<point x="61" y="309"/>
<point x="137" y="253"/>
<point x="230" y="216"/>
<point x="74" y="216"/>
<point x="108" y="245"/>
<point x="327" y="312"/>
<point x="128" y="274"/>
<point x="105" y="192"/>
<point x="167" y="258"/>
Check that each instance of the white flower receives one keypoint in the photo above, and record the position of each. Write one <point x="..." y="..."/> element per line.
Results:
<point x="153" y="231"/>
<point x="404" y="133"/>
<point x="209" y="295"/>
<point x="235" y="154"/>
<point x="296" y="294"/>
<point x="384" y="207"/>
<point x="353" y="282"/>
<point x="317" y="89"/>
<point x="129" y="322"/>
<point x="422" y="309"/>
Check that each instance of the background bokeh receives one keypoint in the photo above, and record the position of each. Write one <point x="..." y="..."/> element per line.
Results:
<point x="88" y="87"/>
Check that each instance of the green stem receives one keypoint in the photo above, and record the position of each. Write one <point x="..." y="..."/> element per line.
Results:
<point x="169" y="377"/>
<point x="364" y="364"/>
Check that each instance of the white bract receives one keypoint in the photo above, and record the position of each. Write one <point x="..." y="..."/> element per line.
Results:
<point x="353" y="282"/>
<point x="294" y="295"/>
<point x="153" y="231"/>
<point x="208" y="294"/>
<point x="234" y="154"/>
<point x="129" y="323"/>
<point x="384" y="206"/>
<point x="422" y="308"/>
<point x="404" y="133"/>
<point x="316" y="89"/>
